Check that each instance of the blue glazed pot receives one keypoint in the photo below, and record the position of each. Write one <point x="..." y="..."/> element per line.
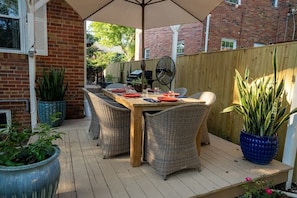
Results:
<point x="40" y="179"/>
<point x="48" y="108"/>
<point x="258" y="149"/>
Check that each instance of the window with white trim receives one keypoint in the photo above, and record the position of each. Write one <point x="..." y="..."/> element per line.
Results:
<point x="5" y="119"/>
<point x="258" y="44"/>
<point x="234" y="2"/>
<point x="14" y="27"/>
<point x="180" y="47"/>
<point x="147" y="53"/>
<point x="275" y="3"/>
<point x="228" y="44"/>
<point x="11" y="25"/>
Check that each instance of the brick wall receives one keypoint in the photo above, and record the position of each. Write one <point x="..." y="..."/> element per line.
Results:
<point x="159" y="40"/>
<point x="65" y="49"/>
<point x="252" y="22"/>
<point x="14" y="85"/>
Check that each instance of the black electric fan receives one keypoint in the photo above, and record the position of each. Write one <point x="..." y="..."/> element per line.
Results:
<point x="165" y="71"/>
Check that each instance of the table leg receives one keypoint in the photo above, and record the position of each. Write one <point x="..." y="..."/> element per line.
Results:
<point x="136" y="137"/>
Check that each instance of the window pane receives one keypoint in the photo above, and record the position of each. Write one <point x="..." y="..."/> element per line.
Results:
<point x="9" y="33"/>
<point x="232" y="1"/>
<point x="9" y="8"/>
<point x="180" y="47"/>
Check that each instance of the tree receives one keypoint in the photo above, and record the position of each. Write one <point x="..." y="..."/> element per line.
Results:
<point x="110" y="35"/>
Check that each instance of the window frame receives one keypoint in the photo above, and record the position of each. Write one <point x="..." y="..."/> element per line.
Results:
<point x="180" y="51"/>
<point x="23" y="29"/>
<point x="147" y="53"/>
<point x="233" y="3"/>
<point x="275" y="3"/>
<point x="229" y="41"/>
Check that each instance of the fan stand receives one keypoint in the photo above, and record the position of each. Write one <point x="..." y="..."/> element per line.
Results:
<point x="142" y="66"/>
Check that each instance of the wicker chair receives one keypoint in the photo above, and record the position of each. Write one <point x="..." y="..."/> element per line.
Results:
<point x="94" y="128"/>
<point x="115" y="85"/>
<point x="209" y="98"/>
<point x="170" y="138"/>
<point x="181" y="90"/>
<point x="114" y="121"/>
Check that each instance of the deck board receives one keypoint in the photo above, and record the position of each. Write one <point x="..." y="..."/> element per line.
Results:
<point x="85" y="174"/>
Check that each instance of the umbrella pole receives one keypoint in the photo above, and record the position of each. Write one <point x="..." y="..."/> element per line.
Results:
<point x="142" y="64"/>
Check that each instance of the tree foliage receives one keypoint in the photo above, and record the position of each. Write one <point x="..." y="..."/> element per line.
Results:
<point x="109" y="35"/>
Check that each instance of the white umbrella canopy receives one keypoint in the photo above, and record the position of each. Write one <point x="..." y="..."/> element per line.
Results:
<point x="157" y="13"/>
<point x="144" y="14"/>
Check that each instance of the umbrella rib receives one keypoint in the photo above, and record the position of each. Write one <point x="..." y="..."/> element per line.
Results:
<point x="98" y="9"/>
<point x="144" y="4"/>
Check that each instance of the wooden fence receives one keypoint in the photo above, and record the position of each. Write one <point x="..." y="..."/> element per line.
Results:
<point x="215" y="72"/>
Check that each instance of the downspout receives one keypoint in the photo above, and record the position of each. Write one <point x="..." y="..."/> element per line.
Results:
<point x="286" y="27"/>
<point x="174" y="29"/>
<point x="294" y="24"/>
<point x="207" y="33"/>
<point x="32" y="60"/>
<point x="290" y="147"/>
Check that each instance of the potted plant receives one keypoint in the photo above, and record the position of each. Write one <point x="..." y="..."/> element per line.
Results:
<point x="260" y="106"/>
<point x="137" y="84"/>
<point x="51" y="91"/>
<point x="29" y="168"/>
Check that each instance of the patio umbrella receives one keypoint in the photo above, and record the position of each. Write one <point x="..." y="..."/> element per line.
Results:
<point x="144" y="14"/>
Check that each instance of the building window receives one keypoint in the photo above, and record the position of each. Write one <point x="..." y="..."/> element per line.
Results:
<point x="5" y="118"/>
<point x="147" y="53"/>
<point x="12" y="25"/>
<point x="275" y="3"/>
<point x="258" y="44"/>
<point x="180" y="48"/>
<point x="234" y="2"/>
<point x="228" y="44"/>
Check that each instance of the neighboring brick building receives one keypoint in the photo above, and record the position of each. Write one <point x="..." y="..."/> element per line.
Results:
<point x="65" y="49"/>
<point x="159" y="40"/>
<point x="245" y="25"/>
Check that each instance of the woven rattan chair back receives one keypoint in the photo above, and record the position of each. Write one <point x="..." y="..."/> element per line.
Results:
<point x="115" y="85"/>
<point x="114" y="121"/>
<point x="182" y="91"/>
<point x="169" y="140"/>
<point x="94" y="128"/>
<point x="209" y="98"/>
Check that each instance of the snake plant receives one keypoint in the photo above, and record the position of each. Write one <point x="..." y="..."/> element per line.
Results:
<point x="260" y="103"/>
<point x="51" y="86"/>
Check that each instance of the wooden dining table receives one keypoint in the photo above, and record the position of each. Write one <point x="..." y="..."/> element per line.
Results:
<point x="138" y="105"/>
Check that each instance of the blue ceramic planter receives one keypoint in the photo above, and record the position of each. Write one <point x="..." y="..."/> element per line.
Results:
<point x="40" y="179"/>
<point x="258" y="149"/>
<point x="48" y="108"/>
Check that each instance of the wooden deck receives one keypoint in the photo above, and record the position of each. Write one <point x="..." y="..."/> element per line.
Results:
<point x="84" y="174"/>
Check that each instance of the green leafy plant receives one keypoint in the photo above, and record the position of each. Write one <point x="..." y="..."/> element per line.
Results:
<point x="108" y="77"/>
<point x="51" y="86"/>
<point x="260" y="188"/>
<point x="260" y="103"/>
<point x="138" y="81"/>
<point x="16" y="149"/>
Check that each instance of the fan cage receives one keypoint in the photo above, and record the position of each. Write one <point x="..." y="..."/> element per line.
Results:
<point x="165" y="70"/>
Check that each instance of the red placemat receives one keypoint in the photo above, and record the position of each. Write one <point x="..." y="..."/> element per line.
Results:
<point x="167" y="94"/>
<point x="118" y="90"/>
<point x="132" y="95"/>
<point x="167" y="99"/>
